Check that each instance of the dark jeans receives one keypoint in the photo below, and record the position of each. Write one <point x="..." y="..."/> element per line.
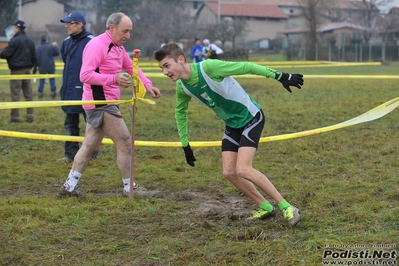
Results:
<point x="53" y="87"/>
<point x="72" y="128"/>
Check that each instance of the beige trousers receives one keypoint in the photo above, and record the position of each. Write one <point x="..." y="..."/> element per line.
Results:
<point x="15" y="87"/>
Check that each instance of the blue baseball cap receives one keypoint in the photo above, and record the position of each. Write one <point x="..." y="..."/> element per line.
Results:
<point x="74" y="16"/>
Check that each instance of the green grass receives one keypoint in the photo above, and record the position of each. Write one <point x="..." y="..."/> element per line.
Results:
<point x="266" y="57"/>
<point x="344" y="181"/>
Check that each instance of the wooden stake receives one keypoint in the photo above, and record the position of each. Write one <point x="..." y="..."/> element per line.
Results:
<point x="136" y="53"/>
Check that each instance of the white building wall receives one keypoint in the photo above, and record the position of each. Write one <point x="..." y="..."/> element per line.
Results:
<point x="40" y="13"/>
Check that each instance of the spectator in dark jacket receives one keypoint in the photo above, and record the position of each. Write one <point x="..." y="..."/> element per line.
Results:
<point x="45" y="61"/>
<point x="21" y="57"/>
<point x="72" y="88"/>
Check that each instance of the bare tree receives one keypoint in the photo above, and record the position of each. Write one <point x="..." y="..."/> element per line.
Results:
<point x="107" y="7"/>
<point x="228" y="30"/>
<point x="161" y="21"/>
<point x="7" y="14"/>
<point x="389" y="27"/>
<point x="224" y="32"/>
<point x="310" y="9"/>
<point x="372" y="12"/>
<point x="238" y="26"/>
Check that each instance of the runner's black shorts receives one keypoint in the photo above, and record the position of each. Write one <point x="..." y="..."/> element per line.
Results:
<point x="247" y="136"/>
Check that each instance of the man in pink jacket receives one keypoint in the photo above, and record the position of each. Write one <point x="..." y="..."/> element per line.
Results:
<point x="104" y="62"/>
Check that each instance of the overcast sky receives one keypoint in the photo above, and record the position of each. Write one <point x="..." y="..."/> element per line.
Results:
<point x="394" y="3"/>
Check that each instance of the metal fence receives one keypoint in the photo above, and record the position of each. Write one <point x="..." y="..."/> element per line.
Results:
<point x="346" y="53"/>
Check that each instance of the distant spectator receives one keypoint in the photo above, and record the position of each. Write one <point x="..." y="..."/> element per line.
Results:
<point x="21" y="57"/>
<point x="197" y="52"/>
<point x="212" y="51"/>
<point x="45" y="61"/>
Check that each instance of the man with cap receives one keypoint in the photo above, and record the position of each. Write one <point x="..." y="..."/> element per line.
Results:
<point x="72" y="88"/>
<point x="45" y="62"/>
<point x="21" y="57"/>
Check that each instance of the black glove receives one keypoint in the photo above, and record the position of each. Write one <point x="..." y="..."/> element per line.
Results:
<point x="288" y="80"/>
<point x="189" y="155"/>
<point x="34" y="70"/>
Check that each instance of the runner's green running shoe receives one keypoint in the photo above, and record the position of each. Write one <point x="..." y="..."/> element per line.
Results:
<point x="291" y="214"/>
<point x="262" y="214"/>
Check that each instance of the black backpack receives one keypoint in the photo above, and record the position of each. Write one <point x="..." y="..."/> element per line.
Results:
<point x="211" y="54"/>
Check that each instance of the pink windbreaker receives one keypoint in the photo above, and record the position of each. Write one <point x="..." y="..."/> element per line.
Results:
<point x="102" y="60"/>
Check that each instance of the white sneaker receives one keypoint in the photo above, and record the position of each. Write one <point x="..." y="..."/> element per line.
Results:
<point x="76" y="192"/>
<point x="138" y="192"/>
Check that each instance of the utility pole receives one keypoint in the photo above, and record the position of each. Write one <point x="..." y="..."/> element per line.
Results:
<point x="20" y="10"/>
<point x="218" y="20"/>
<point x="219" y="12"/>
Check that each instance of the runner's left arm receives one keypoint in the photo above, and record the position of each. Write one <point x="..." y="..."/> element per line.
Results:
<point x="181" y="111"/>
<point x="182" y="100"/>
<point x="218" y="70"/>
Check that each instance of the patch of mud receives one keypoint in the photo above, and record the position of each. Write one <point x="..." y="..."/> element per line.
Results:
<point x="213" y="206"/>
<point x="209" y="205"/>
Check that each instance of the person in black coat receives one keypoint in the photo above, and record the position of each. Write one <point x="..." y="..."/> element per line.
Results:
<point x="45" y="61"/>
<point x="72" y="88"/>
<point x="21" y="57"/>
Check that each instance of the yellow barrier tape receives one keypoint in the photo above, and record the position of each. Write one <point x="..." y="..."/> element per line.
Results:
<point x="38" y="104"/>
<point x="30" y="76"/>
<point x="160" y="75"/>
<point x="371" y="115"/>
<point x="353" y="76"/>
<point x="277" y="65"/>
<point x="151" y="63"/>
<point x="56" y="67"/>
<point x="141" y="90"/>
<point x="146" y="66"/>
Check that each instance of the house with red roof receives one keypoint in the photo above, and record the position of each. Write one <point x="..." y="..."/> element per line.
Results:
<point x="271" y="19"/>
<point x="262" y="21"/>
